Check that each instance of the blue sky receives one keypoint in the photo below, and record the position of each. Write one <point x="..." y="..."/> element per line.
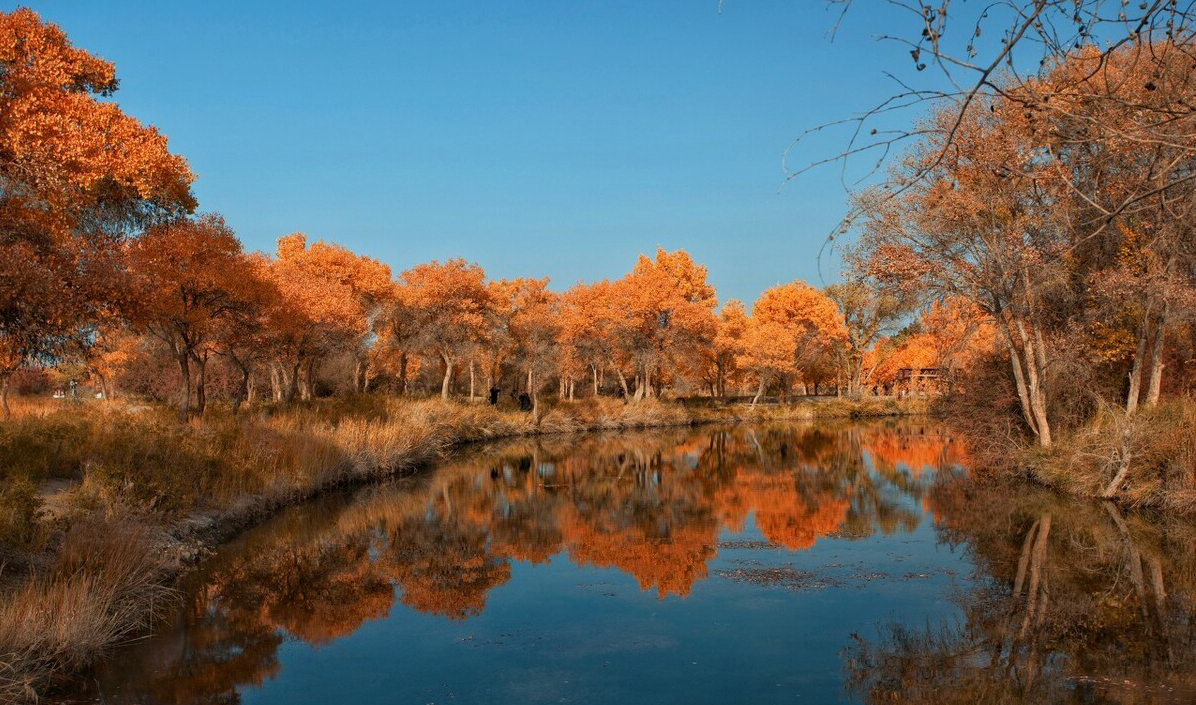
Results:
<point x="535" y="138"/>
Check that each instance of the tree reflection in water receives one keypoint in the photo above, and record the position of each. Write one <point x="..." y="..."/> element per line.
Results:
<point x="1069" y="595"/>
<point x="1080" y="603"/>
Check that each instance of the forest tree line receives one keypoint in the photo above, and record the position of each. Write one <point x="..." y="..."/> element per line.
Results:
<point x="111" y="276"/>
<point x="1044" y="229"/>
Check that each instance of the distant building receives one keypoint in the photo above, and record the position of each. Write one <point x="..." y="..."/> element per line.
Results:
<point x="920" y="381"/>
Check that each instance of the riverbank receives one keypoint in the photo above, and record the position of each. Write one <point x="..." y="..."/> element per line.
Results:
<point x="1141" y="460"/>
<point x="136" y="498"/>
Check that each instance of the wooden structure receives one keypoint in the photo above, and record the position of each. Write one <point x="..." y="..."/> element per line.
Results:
<point x="920" y="381"/>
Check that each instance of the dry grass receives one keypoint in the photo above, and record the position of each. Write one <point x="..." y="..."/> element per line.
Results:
<point x="104" y="586"/>
<point x="1156" y="446"/>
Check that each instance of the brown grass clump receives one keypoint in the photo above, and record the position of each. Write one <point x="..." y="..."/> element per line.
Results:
<point x="104" y="586"/>
<point x="1144" y="459"/>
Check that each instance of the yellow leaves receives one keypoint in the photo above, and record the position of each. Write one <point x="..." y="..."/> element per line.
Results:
<point x="188" y="277"/>
<point x="769" y="348"/>
<point x="451" y="300"/>
<point x="790" y="331"/>
<point x="58" y="135"/>
<point x="69" y="160"/>
<point x="1110" y="343"/>
<point x="799" y="308"/>
<point x="328" y="292"/>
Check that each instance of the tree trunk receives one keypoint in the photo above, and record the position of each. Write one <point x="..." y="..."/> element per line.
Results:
<point x="1036" y="369"/>
<point x="201" y="386"/>
<point x="594" y="369"/>
<point x="1122" y="459"/>
<point x="360" y="368"/>
<point x="759" y="393"/>
<point x="184" y="360"/>
<point x="402" y="373"/>
<point x="1026" y="379"/>
<point x="104" y="391"/>
<point x="855" y="377"/>
<point x="531" y="389"/>
<point x="309" y="380"/>
<point x="242" y="389"/>
<point x="622" y="382"/>
<point x="471" y="380"/>
<point x="4" y="398"/>
<point x="292" y="383"/>
<point x="1156" y="359"/>
<point x="448" y="377"/>
<point x="1131" y="398"/>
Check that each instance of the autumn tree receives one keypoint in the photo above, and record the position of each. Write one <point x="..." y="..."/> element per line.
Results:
<point x="769" y="353"/>
<point x="397" y="332"/>
<point x="1059" y="203"/>
<point x="111" y="351"/>
<point x="958" y="332"/>
<point x="791" y="330"/>
<point x="77" y="176"/>
<point x="329" y="300"/>
<point x="868" y="312"/>
<point x="187" y="282"/>
<point x="243" y="336"/>
<point x="1124" y="139"/>
<point x="535" y="325"/>
<point x="667" y="311"/>
<point x="981" y="228"/>
<point x="728" y="344"/>
<point x="590" y="319"/>
<point x="451" y="301"/>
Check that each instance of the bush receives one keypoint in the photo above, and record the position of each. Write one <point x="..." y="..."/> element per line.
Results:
<point x="18" y="513"/>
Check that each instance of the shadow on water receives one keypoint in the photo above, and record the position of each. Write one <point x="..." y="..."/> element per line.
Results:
<point x="1062" y="601"/>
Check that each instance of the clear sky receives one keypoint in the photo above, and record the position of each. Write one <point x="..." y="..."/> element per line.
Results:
<point x="533" y="137"/>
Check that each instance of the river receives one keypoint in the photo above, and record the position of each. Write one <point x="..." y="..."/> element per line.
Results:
<point x="787" y="563"/>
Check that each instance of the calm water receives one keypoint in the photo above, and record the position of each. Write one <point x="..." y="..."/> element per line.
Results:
<point x="776" y="564"/>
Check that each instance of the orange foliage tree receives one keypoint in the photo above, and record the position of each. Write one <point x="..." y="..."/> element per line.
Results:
<point x="188" y="279"/>
<point x="790" y="332"/>
<point x="533" y="327"/>
<point x="451" y="303"/>
<point x="667" y="312"/>
<point x="329" y="299"/>
<point x="76" y="176"/>
<point x="589" y="319"/>
<point x="727" y="346"/>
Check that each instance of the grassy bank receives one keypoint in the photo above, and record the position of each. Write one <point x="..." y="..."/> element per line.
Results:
<point x="103" y="504"/>
<point x="1145" y="459"/>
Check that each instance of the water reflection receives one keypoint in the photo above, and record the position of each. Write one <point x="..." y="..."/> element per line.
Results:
<point x="1068" y="598"/>
<point x="1082" y="603"/>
